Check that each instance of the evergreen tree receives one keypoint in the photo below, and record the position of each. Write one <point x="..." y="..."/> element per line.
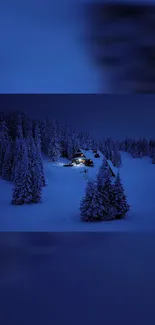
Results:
<point x="121" y="205"/>
<point x="135" y="151"/>
<point x="37" y="141"/>
<point x="108" y="199"/>
<point x="91" y="205"/>
<point x="7" y="163"/>
<point x="153" y="156"/>
<point x="116" y="157"/>
<point x="22" y="193"/>
<point x="4" y="142"/>
<point x="54" y="145"/>
<point x="101" y="174"/>
<point x="34" y="168"/>
<point x="64" y="141"/>
<point x="27" y="126"/>
<point x="145" y="147"/>
<point x="70" y="149"/>
<point x="19" y="130"/>
<point x="17" y="157"/>
<point x="44" y="136"/>
<point x="122" y="146"/>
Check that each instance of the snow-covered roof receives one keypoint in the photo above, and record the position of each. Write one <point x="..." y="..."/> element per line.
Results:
<point x="75" y="158"/>
<point x="114" y="169"/>
<point x="89" y="154"/>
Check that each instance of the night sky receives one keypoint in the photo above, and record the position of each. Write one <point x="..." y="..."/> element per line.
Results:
<point x="43" y="48"/>
<point x="102" y="115"/>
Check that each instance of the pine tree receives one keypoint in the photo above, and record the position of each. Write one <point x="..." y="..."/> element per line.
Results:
<point x="102" y="172"/>
<point x="34" y="168"/>
<point x="134" y="150"/>
<point x="54" y="145"/>
<point x="91" y="205"/>
<point x="153" y="156"/>
<point x="70" y="148"/>
<point x="19" y="131"/>
<point x="4" y="142"/>
<point x="145" y="147"/>
<point x="37" y="141"/>
<point x="17" y="157"/>
<point x="121" y="205"/>
<point x="22" y="193"/>
<point x="64" y="141"/>
<point x="108" y="198"/>
<point x="27" y="126"/>
<point x="7" y="163"/>
<point x="116" y="156"/>
<point x="44" y="136"/>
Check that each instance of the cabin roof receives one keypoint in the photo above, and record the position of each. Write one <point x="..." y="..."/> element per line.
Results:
<point x="114" y="169"/>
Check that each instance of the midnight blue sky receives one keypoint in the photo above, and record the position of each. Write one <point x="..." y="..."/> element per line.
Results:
<point x="43" y="48"/>
<point x="101" y="115"/>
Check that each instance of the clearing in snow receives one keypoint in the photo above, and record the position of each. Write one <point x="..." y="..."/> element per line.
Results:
<point x="59" y="210"/>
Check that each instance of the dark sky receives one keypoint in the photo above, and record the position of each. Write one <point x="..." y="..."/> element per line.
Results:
<point x="43" y="48"/>
<point x="101" y="115"/>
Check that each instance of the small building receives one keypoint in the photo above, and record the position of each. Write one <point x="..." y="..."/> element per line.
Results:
<point x="82" y="161"/>
<point x="79" y="154"/>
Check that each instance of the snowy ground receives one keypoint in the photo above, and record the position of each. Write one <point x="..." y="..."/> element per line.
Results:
<point x="61" y="199"/>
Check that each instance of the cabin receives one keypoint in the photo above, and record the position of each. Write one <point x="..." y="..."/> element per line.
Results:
<point x="79" y="154"/>
<point x="84" y="161"/>
<point x="83" y="157"/>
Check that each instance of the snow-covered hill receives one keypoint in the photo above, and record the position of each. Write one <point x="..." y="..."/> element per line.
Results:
<point x="59" y="210"/>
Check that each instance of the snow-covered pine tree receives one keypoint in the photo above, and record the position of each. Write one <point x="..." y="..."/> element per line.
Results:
<point x="127" y="144"/>
<point x="110" y="144"/>
<point x="37" y="141"/>
<point x="34" y="168"/>
<point x="2" y="117"/>
<point x="108" y="198"/>
<point x="151" y="148"/>
<point x="17" y="149"/>
<point x="44" y="136"/>
<point x="83" y="140"/>
<point x="116" y="156"/>
<point x="139" y="145"/>
<point x="70" y="149"/>
<point x="102" y="147"/>
<point x="134" y="150"/>
<point x="54" y="145"/>
<point x="27" y="126"/>
<point x="145" y="147"/>
<point x="4" y="142"/>
<point x="8" y="161"/>
<point x="122" y="146"/>
<point x="64" y="141"/>
<point x="101" y="174"/>
<point x="19" y="127"/>
<point x="153" y="155"/>
<point x="91" y="207"/>
<point x="22" y="193"/>
<point x="108" y="152"/>
<point x="121" y="204"/>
